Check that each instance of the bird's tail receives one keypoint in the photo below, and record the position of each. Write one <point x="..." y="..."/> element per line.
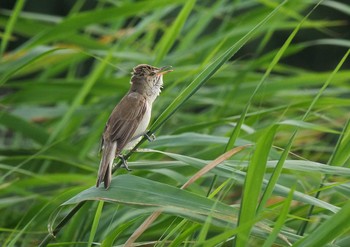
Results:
<point x="105" y="170"/>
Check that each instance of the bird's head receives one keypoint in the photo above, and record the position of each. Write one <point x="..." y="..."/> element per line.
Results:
<point x="148" y="78"/>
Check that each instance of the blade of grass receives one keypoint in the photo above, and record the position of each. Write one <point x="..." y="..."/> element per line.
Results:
<point x="281" y="219"/>
<point x="172" y="33"/>
<point x="28" y="59"/>
<point x="10" y="25"/>
<point x="253" y="184"/>
<point x="203" y="233"/>
<point x="341" y="153"/>
<point x="306" y="125"/>
<point x="198" y="27"/>
<point x="95" y="222"/>
<point x="185" y="234"/>
<point x="113" y="235"/>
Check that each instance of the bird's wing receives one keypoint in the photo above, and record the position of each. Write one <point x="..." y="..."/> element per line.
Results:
<point x="125" y="119"/>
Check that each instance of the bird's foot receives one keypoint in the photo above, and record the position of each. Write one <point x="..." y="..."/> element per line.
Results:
<point x="150" y="138"/>
<point x="125" y="163"/>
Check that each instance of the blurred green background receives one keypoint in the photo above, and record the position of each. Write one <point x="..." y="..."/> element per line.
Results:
<point x="258" y="73"/>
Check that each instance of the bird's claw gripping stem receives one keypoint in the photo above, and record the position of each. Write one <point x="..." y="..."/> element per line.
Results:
<point x="150" y="138"/>
<point x="125" y="163"/>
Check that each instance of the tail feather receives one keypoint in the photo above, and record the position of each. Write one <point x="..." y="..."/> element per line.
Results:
<point x="105" y="170"/>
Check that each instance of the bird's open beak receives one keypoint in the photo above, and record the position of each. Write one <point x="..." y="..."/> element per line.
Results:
<point x="165" y="69"/>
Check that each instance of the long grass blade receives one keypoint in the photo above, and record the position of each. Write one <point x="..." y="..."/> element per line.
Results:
<point x="172" y="33"/>
<point x="10" y="25"/>
<point x="253" y="184"/>
<point x="95" y="222"/>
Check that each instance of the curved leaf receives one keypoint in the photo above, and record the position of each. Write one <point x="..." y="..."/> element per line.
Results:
<point x="137" y="191"/>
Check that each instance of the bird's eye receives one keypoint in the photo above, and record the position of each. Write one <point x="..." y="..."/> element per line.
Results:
<point x="152" y="74"/>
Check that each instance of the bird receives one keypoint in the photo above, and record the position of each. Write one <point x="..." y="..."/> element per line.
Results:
<point x="130" y="117"/>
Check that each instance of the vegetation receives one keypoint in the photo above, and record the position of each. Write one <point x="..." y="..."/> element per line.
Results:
<point x="253" y="130"/>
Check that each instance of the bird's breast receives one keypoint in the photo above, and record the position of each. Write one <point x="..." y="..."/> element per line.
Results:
<point x="140" y="131"/>
<point x="144" y="121"/>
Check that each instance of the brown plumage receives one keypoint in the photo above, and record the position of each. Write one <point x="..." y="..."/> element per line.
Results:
<point x="130" y="118"/>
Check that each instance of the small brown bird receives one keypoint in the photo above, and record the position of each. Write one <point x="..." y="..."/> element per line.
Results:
<point x="130" y="118"/>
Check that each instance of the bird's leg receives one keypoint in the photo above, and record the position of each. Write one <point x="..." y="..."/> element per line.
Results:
<point x="150" y="138"/>
<point x="125" y="163"/>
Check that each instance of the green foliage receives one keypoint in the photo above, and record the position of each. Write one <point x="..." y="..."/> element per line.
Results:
<point x="232" y="85"/>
